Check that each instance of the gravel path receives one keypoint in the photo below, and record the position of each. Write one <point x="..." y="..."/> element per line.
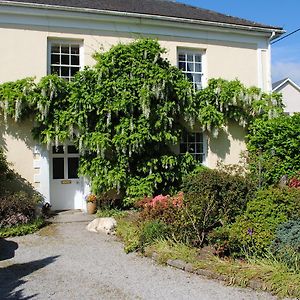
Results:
<point x="64" y="261"/>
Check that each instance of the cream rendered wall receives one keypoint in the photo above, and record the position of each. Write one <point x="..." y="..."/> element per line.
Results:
<point x="18" y="145"/>
<point x="24" y="53"/>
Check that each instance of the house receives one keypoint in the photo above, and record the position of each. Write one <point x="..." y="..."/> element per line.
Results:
<point x="290" y="94"/>
<point x="40" y="37"/>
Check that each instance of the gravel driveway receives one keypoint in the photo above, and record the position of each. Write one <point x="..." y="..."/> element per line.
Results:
<point x="64" y="261"/>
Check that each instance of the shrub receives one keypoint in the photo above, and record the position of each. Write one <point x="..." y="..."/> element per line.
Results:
<point x="22" y="229"/>
<point x="273" y="147"/>
<point x="286" y="245"/>
<point x="255" y="229"/>
<point x="294" y="182"/>
<point x="212" y="198"/>
<point x="161" y="207"/>
<point x="152" y="231"/>
<point x="18" y="208"/>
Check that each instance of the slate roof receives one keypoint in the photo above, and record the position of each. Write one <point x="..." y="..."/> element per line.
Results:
<point x="151" y="7"/>
<point x="278" y="84"/>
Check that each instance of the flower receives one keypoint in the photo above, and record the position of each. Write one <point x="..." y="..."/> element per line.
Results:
<point x="250" y="231"/>
<point x="91" y="198"/>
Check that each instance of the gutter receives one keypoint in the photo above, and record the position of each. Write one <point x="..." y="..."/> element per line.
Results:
<point x="275" y="32"/>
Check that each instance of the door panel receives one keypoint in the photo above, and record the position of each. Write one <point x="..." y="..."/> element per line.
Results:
<point x="66" y="187"/>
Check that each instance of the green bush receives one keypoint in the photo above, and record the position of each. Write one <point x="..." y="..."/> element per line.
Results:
<point x="286" y="245"/>
<point x="212" y="198"/>
<point x="273" y="147"/>
<point x="152" y="231"/>
<point x="22" y="229"/>
<point x="17" y="208"/>
<point x="254" y="230"/>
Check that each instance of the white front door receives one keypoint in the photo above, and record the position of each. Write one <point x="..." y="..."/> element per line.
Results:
<point x="66" y="188"/>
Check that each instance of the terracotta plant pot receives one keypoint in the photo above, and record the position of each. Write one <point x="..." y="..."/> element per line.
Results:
<point x="91" y="208"/>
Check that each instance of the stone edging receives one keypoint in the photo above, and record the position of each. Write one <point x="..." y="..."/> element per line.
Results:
<point x="182" y="265"/>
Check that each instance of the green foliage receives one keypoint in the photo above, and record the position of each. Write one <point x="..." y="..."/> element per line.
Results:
<point x="152" y="231"/>
<point x="213" y="198"/>
<point x="273" y="147"/>
<point x="286" y="246"/>
<point x="110" y="212"/>
<point x="253" y="231"/>
<point x="5" y="172"/>
<point x="22" y="229"/>
<point x="226" y="100"/>
<point x="129" y="232"/>
<point x="125" y="113"/>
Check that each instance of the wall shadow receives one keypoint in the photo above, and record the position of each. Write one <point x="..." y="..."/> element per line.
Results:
<point x="7" y="249"/>
<point x="20" y="133"/>
<point x="220" y="145"/>
<point x="11" y="277"/>
<point x="223" y="144"/>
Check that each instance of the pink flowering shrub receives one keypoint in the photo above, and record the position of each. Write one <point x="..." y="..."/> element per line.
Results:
<point x="164" y="208"/>
<point x="295" y="182"/>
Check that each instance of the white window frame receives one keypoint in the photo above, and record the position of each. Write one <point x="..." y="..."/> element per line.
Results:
<point x="194" y="53"/>
<point x="195" y="143"/>
<point x="65" y="42"/>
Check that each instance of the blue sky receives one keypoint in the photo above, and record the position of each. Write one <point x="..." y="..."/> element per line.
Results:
<point x="285" y="53"/>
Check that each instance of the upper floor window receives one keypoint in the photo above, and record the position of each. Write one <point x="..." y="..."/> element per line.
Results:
<point x="64" y="59"/>
<point x="193" y="143"/>
<point x="191" y="65"/>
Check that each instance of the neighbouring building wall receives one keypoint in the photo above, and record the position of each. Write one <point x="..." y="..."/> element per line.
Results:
<point x="291" y="98"/>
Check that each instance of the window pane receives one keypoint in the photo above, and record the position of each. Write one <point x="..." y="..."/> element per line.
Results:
<point x="55" y="70"/>
<point x="65" y="49"/>
<point x="191" y="137"/>
<point x="181" y="57"/>
<point x="191" y="148"/>
<point x="197" y="77"/>
<point x="58" y="149"/>
<point x="183" y="148"/>
<point x="55" y="59"/>
<point x="182" y="66"/>
<point x="55" y="49"/>
<point x="72" y="149"/>
<point x="65" y="59"/>
<point x="199" y="148"/>
<point x="190" y="76"/>
<point x="190" y="67"/>
<point x="58" y="168"/>
<point x="190" y="57"/>
<point x="74" y="71"/>
<point x="73" y="164"/>
<point x="75" y="60"/>
<point x="198" y="68"/>
<point x="75" y="49"/>
<point x="65" y="71"/>
<point x="197" y="58"/>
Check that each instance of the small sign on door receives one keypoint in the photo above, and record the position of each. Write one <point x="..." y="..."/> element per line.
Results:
<point x="66" y="182"/>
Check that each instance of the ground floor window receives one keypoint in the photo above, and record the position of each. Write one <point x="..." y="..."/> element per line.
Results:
<point x="193" y="143"/>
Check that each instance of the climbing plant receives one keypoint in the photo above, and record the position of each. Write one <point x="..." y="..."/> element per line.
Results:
<point x="126" y="112"/>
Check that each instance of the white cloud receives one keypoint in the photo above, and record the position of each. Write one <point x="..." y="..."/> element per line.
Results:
<point x="281" y="70"/>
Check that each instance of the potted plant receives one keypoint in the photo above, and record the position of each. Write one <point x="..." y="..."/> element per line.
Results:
<point x="91" y="201"/>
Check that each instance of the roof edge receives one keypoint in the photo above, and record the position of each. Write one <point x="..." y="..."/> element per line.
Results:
<point x="274" y="31"/>
<point x="295" y="85"/>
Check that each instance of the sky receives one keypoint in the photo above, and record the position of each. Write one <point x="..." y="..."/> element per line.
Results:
<point x="285" y="53"/>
